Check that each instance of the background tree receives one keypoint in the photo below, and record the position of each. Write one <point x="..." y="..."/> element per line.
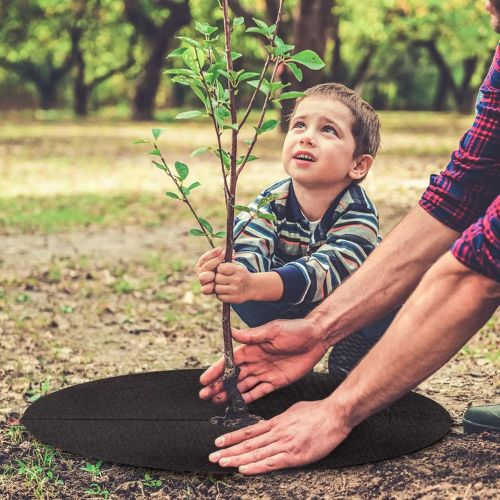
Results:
<point x="156" y="21"/>
<point x="96" y="55"/>
<point x="35" y="44"/>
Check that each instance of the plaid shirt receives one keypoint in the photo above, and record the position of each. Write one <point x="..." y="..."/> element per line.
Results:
<point x="311" y="263"/>
<point x="467" y="189"/>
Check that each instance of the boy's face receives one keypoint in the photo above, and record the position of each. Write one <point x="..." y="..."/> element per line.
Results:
<point x="319" y="147"/>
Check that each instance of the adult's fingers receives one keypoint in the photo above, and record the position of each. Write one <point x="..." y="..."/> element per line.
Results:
<point x="257" y="335"/>
<point x="251" y="450"/>
<point x="236" y="437"/>
<point x="276" y="462"/>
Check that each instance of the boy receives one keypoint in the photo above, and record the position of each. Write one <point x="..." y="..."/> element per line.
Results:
<point x="325" y="225"/>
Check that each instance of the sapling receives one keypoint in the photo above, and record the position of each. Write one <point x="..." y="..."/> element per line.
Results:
<point x="208" y="70"/>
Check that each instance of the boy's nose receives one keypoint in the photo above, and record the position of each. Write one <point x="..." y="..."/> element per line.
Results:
<point x="306" y="139"/>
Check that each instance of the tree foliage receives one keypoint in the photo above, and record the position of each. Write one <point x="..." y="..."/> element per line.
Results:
<point x="398" y="53"/>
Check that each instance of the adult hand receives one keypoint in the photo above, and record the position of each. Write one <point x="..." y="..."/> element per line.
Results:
<point x="305" y="433"/>
<point x="275" y="355"/>
<point x="234" y="283"/>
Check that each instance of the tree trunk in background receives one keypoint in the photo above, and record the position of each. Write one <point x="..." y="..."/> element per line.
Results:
<point x="312" y="22"/>
<point x="441" y="95"/>
<point x="158" y="38"/>
<point x="145" y="94"/>
<point x="47" y="93"/>
<point x="465" y="95"/>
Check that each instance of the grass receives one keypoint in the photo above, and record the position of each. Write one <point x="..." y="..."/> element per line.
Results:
<point x="66" y="175"/>
<point x="70" y="320"/>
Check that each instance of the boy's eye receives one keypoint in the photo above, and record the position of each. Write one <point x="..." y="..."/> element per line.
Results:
<point x="299" y="125"/>
<point x="329" y="129"/>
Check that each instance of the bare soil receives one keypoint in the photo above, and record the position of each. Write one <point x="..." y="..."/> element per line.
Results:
<point x="102" y="302"/>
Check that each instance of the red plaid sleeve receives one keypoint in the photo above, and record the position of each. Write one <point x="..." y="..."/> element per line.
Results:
<point x="459" y="195"/>
<point x="479" y="246"/>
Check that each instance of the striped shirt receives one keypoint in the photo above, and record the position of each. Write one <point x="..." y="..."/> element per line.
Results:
<point x="465" y="196"/>
<point x="311" y="263"/>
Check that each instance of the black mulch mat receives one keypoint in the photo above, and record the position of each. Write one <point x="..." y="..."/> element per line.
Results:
<point x="157" y="420"/>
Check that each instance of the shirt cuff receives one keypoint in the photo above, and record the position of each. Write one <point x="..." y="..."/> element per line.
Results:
<point x="294" y="283"/>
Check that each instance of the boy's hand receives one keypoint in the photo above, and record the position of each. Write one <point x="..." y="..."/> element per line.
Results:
<point x="234" y="283"/>
<point x="206" y="268"/>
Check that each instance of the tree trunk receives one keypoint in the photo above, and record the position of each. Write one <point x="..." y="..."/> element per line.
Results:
<point x="465" y="95"/>
<point x="310" y="31"/>
<point x="47" y="92"/>
<point x="441" y="96"/>
<point x="158" y="39"/>
<point x="147" y="88"/>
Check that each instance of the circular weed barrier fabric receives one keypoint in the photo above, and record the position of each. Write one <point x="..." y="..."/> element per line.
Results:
<point x="157" y="420"/>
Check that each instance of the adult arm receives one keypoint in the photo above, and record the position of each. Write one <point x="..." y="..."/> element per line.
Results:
<point x="450" y="304"/>
<point x="380" y="285"/>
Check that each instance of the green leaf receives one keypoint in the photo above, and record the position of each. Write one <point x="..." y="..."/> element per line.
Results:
<point x="157" y="132"/>
<point x="220" y="234"/>
<point x="242" y="157"/>
<point x="247" y="75"/>
<point x="141" y="141"/>
<point x="191" y="57"/>
<point x="296" y="71"/>
<point x="206" y="225"/>
<point x="190" y="41"/>
<point x="235" y="55"/>
<point x="253" y="29"/>
<point x="233" y="126"/>
<point x="180" y="71"/>
<point x="160" y="166"/>
<point x="266" y="216"/>
<point x="177" y="52"/>
<point x="264" y="87"/>
<point x="226" y="159"/>
<point x="194" y="185"/>
<point x="267" y="126"/>
<point x="242" y="208"/>
<point x="199" y="151"/>
<point x="221" y="113"/>
<point x="199" y="92"/>
<point x="261" y="24"/>
<point x="155" y="152"/>
<point x="204" y="28"/>
<point x="172" y="195"/>
<point x="238" y="21"/>
<point x="182" y="170"/>
<point x="283" y="49"/>
<point x="196" y="232"/>
<point x="188" y="114"/>
<point x="309" y="59"/>
<point x="291" y="95"/>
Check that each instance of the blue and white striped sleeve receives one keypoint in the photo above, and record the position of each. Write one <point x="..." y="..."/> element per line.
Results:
<point x="256" y="245"/>
<point x="349" y="242"/>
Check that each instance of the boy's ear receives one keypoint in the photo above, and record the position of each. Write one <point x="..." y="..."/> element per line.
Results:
<point x="360" y="167"/>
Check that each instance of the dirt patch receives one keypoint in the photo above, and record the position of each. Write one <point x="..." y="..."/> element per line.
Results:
<point x="80" y="306"/>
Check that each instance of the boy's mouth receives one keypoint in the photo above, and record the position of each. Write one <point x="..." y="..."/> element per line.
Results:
<point x="304" y="156"/>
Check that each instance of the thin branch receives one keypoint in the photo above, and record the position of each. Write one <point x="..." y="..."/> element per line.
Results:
<point x="238" y="234"/>
<point x="184" y="197"/>
<point x="264" y="70"/>
<point x="216" y="126"/>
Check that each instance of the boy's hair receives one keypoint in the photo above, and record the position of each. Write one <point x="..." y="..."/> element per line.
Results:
<point x="366" y="125"/>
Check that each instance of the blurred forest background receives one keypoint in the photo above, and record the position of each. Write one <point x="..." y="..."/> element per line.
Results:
<point x="106" y="57"/>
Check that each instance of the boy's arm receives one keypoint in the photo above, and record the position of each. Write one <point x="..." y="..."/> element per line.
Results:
<point x="348" y="244"/>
